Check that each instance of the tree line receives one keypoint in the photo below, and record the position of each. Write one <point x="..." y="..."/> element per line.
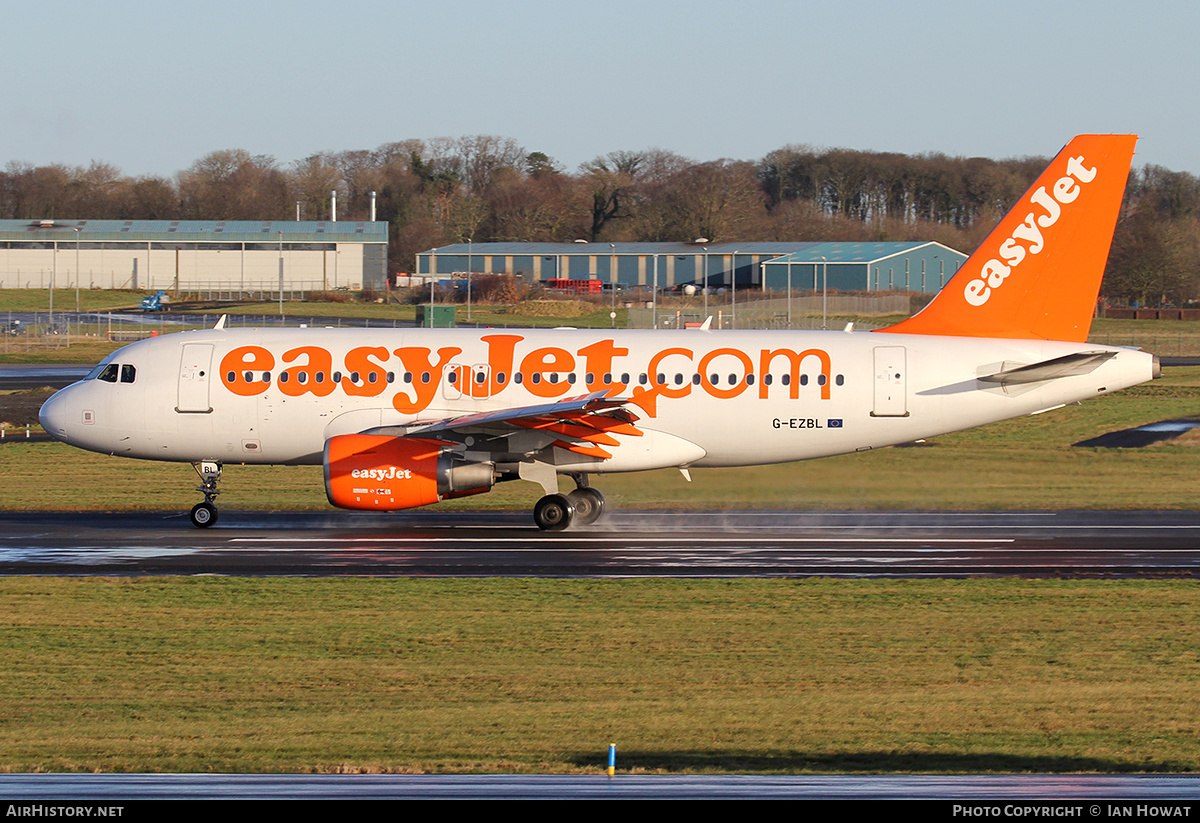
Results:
<point x="487" y="188"/>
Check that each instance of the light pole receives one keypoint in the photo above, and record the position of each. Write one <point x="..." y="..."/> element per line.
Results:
<point x="76" y="230"/>
<point x="789" y="298"/>
<point x="824" y="293"/>
<point x="704" y="273"/>
<point x="654" y="296"/>
<point x="432" y="268"/>
<point x="53" y="277"/>
<point x="612" y="281"/>
<point x="280" y="277"/>
<point x="468" y="279"/>
<point x="733" y="283"/>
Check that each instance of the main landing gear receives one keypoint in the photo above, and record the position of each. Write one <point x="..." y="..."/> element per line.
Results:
<point x="582" y="507"/>
<point x="204" y="514"/>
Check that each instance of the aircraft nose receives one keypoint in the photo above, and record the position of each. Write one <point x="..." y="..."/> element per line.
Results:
<point x="55" y="415"/>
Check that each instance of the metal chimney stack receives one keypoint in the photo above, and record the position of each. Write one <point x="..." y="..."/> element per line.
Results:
<point x="372" y="195"/>
<point x="333" y="205"/>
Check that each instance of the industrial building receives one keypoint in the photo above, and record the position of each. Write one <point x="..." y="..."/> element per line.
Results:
<point x="917" y="267"/>
<point x="193" y="255"/>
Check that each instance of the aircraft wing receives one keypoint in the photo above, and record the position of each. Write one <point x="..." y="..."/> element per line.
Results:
<point x="583" y="425"/>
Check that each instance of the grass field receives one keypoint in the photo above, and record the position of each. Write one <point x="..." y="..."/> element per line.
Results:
<point x="175" y="675"/>
<point x="372" y="675"/>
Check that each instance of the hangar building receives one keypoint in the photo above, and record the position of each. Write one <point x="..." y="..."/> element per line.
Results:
<point x="225" y="255"/>
<point x="918" y="267"/>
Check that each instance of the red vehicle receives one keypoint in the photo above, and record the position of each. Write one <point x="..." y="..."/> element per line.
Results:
<point x="575" y="286"/>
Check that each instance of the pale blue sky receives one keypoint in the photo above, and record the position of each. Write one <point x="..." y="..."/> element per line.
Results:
<point x="152" y="86"/>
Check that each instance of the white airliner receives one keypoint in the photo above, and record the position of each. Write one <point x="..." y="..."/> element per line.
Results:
<point x="404" y="418"/>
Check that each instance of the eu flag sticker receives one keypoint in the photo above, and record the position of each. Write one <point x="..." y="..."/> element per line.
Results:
<point x="834" y="423"/>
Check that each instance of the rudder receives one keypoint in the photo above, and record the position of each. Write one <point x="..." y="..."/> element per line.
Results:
<point x="1037" y="275"/>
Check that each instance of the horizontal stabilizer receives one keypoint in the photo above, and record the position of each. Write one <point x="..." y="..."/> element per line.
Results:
<point x="1070" y="365"/>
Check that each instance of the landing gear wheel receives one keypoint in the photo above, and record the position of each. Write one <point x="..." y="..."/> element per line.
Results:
<point x="203" y="515"/>
<point x="553" y="512"/>
<point x="589" y="505"/>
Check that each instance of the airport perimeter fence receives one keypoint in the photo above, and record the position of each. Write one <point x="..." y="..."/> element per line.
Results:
<point x="750" y="311"/>
<point x="40" y="331"/>
<point x="257" y="290"/>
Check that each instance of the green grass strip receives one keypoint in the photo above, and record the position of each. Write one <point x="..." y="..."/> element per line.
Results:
<point x="369" y="675"/>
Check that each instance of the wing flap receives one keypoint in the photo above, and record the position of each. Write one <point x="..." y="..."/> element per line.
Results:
<point x="582" y="425"/>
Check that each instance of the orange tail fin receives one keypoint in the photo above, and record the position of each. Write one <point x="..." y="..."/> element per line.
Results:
<point x="1038" y="273"/>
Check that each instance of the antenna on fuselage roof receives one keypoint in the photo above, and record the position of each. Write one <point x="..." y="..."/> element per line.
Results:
<point x="221" y="322"/>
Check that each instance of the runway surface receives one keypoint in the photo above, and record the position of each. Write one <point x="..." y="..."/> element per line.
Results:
<point x="625" y="544"/>
<point x="1082" y="792"/>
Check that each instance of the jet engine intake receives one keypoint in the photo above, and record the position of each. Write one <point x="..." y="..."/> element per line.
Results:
<point x="381" y="473"/>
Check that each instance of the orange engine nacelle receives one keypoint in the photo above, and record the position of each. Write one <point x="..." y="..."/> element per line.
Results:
<point x="367" y="471"/>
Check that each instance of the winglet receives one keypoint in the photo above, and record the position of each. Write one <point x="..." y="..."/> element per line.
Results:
<point x="221" y="322"/>
<point x="1038" y="273"/>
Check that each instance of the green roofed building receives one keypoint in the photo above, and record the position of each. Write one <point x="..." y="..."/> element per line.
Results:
<point x="859" y="267"/>
<point x="193" y="255"/>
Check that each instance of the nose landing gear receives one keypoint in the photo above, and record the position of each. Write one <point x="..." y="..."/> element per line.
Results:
<point x="204" y="514"/>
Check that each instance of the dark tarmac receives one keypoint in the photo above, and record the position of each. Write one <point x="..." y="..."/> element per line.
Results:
<point x="1138" y="544"/>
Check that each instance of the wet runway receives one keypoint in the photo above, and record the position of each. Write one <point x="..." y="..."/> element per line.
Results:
<point x="723" y="544"/>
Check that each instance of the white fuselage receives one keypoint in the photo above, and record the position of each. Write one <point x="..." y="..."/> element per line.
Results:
<point x="703" y="398"/>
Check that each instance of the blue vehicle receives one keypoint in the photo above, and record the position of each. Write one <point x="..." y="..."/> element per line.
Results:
<point x="155" y="302"/>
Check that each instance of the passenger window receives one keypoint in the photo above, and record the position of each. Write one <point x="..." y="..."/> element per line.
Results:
<point x="109" y="375"/>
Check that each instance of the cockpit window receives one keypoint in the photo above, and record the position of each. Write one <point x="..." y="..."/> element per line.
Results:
<point x="128" y="373"/>
<point x="109" y="374"/>
<point x="99" y="368"/>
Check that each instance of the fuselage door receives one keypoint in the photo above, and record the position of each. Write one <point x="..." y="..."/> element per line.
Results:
<point x="891" y="382"/>
<point x="195" y="377"/>
<point x="481" y="380"/>
<point x="453" y="380"/>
